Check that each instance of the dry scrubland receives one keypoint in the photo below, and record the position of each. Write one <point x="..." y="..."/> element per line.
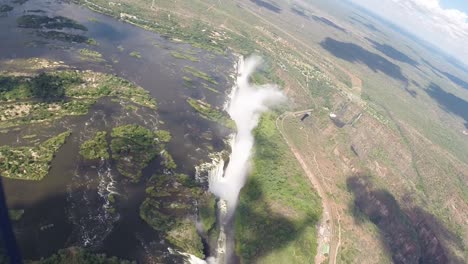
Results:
<point x="392" y="161"/>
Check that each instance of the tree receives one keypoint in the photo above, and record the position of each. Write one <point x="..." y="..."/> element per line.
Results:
<point x="47" y="87"/>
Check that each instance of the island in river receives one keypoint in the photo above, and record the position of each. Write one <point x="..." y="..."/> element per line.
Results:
<point x="126" y="115"/>
<point x="90" y="159"/>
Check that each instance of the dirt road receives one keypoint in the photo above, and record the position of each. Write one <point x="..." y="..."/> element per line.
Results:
<point x="329" y="233"/>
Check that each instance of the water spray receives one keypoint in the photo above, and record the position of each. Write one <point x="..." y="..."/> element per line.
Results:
<point x="247" y="103"/>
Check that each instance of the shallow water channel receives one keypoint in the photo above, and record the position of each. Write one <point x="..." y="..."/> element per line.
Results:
<point x="67" y="208"/>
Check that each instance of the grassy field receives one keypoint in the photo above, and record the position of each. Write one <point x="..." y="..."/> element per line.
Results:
<point x="278" y="210"/>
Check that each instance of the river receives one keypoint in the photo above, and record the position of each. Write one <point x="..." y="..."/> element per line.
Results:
<point x="67" y="207"/>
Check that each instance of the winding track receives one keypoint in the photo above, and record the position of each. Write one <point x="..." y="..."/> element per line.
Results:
<point x="329" y="222"/>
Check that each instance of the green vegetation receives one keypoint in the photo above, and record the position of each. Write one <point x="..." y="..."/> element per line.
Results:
<point x="106" y="85"/>
<point x="150" y="212"/>
<point x="61" y="93"/>
<point x="188" y="82"/>
<point x="30" y="163"/>
<point x="44" y="86"/>
<point x="200" y="74"/>
<point x="207" y="211"/>
<point x="15" y="215"/>
<point x="39" y="22"/>
<point x="184" y="235"/>
<point x="208" y="112"/>
<point x="15" y="114"/>
<point x="12" y="88"/>
<point x="163" y="136"/>
<point x="92" y="42"/>
<point x="76" y="255"/>
<point x="47" y="87"/>
<point x="135" y="54"/>
<point x="266" y="74"/>
<point x="278" y="211"/>
<point x="62" y="36"/>
<point x="133" y="147"/>
<point x="183" y="56"/>
<point x="168" y="161"/>
<point x="211" y="89"/>
<point x="169" y="208"/>
<point x="91" y="55"/>
<point x="130" y="107"/>
<point x="95" y="148"/>
<point x="5" y="8"/>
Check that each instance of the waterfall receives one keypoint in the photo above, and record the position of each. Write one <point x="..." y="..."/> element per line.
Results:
<point x="245" y="105"/>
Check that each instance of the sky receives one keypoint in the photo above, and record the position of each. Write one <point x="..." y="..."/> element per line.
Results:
<point x="443" y="23"/>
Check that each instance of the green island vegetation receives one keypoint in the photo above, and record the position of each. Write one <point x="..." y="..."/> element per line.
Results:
<point x="39" y="22"/>
<point x="169" y="208"/>
<point x="36" y="11"/>
<point x="48" y="96"/>
<point x="62" y="36"/>
<point x="199" y="74"/>
<point x="99" y="85"/>
<point x="134" y="146"/>
<point x="110" y="208"/>
<point x="44" y="86"/>
<point x="48" y="27"/>
<point x="207" y="211"/>
<point x="47" y="87"/>
<point x="92" y="42"/>
<point x="168" y="161"/>
<point x="135" y="54"/>
<point x="211" y="89"/>
<point x="184" y="236"/>
<point x="206" y="111"/>
<point x="277" y="208"/>
<point x="193" y="33"/>
<point x="79" y="255"/>
<point x="196" y="33"/>
<point x="30" y="163"/>
<point x="184" y="56"/>
<point x="16" y="214"/>
<point x="120" y="48"/>
<point x="130" y="107"/>
<point x="5" y="8"/>
<point x="96" y="147"/>
<point x="189" y="83"/>
<point x="91" y="55"/>
<point x="15" y="114"/>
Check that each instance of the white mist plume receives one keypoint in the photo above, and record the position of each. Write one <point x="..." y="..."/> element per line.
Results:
<point x="247" y="103"/>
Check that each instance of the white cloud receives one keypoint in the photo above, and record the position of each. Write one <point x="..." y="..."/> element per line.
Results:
<point x="445" y="28"/>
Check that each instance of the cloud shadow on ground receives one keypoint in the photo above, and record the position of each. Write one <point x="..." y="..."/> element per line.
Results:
<point x="357" y="54"/>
